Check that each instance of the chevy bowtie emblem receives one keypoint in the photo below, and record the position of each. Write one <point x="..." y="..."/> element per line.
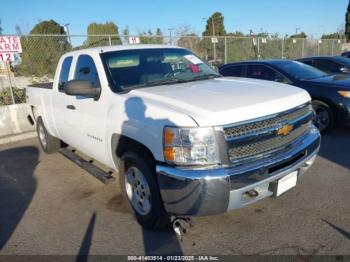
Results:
<point x="285" y="130"/>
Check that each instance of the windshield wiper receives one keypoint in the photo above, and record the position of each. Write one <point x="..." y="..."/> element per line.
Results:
<point x="208" y="76"/>
<point x="153" y="83"/>
<point x="172" y="80"/>
<point x="201" y="77"/>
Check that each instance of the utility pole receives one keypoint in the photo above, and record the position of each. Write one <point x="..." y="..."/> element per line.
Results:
<point x="66" y="27"/>
<point x="297" y="30"/>
<point x="214" y="42"/>
<point x="171" y="39"/>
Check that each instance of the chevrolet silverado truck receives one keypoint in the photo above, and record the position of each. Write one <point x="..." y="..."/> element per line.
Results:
<point x="184" y="140"/>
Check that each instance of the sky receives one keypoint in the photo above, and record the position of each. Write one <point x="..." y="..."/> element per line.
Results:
<point x="314" y="17"/>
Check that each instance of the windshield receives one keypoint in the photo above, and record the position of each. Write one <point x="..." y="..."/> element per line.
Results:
<point x="300" y="71"/>
<point x="130" y="69"/>
<point x="342" y="59"/>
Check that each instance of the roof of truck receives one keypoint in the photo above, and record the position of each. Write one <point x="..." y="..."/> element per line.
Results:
<point x="102" y="49"/>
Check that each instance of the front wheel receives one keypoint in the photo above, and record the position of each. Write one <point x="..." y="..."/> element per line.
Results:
<point x="324" y="118"/>
<point x="140" y="191"/>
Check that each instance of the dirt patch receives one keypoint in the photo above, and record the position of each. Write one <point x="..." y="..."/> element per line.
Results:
<point x="116" y="204"/>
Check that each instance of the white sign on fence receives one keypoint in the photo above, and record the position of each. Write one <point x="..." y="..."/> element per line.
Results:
<point x="214" y="40"/>
<point x="134" y="40"/>
<point x="9" y="45"/>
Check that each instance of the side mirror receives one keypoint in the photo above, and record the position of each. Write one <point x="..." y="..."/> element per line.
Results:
<point x="344" y="70"/>
<point x="82" y="88"/>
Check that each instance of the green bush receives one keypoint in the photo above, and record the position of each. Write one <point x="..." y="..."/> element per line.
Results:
<point x="18" y="93"/>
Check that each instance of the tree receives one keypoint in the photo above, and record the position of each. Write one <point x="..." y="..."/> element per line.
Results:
<point x="185" y="37"/>
<point x="108" y="31"/>
<point x="40" y="54"/>
<point x="336" y="35"/>
<point x="150" y="38"/>
<point x="214" y="27"/>
<point x="347" y="23"/>
<point x="300" y="35"/>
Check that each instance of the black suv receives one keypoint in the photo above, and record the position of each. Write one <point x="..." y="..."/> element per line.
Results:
<point x="329" y="64"/>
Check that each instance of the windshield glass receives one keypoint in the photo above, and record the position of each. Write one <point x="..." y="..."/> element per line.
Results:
<point x="343" y="60"/>
<point x="300" y="71"/>
<point x="130" y="69"/>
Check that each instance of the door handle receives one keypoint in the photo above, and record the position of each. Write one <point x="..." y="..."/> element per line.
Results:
<point x="71" y="107"/>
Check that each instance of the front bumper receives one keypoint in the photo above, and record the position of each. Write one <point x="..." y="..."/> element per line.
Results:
<point x="195" y="192"/>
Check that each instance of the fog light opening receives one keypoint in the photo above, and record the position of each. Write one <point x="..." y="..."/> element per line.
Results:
<point x="252" y="193"/>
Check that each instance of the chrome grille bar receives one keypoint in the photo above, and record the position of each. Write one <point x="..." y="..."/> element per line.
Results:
<point x="261" y="137"/>
<point x="258" y="125"/>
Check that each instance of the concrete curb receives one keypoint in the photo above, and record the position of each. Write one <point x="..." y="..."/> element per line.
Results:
<point x="15" y="138"/>
<point x="13" y="120"/>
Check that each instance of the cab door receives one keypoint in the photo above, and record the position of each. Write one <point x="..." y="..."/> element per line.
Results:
<point x="59" y="100"/>
<point x="87" y="116"/>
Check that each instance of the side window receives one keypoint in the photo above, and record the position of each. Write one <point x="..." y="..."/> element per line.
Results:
<point x="232" y="71"/>
<point x="86" y="70"/>
<point x="308" y="62"/>
<point x="64" y="74"/>
<point x="327" y="66"/>
<point x="264" y="72"/>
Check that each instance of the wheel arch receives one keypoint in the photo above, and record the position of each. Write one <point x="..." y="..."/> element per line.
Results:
<point x="121" y="144"/>
<point x="329" y="102"/>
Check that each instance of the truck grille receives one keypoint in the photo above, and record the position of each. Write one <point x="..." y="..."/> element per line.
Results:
<point x="260" y="138"/>
<point x="269" y="145"/>
<point x="254" y="127"/>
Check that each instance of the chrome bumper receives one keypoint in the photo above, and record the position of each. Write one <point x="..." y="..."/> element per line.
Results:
<point x="195" y="192"/>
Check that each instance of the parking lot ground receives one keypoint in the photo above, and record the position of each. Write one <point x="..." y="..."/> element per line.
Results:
<point x="48" y="205"/>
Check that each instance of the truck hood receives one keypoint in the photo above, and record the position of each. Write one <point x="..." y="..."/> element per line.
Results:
<point x="224" y="101"/>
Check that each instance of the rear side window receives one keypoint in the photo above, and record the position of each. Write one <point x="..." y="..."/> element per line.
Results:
<point x="308" y="62"/>
<point x="327" y="65"/>
<point x="86" y="70"/>
<point x="265" y="73"/>
<point x="64" y="74"/>
<point x="232" y="70"/>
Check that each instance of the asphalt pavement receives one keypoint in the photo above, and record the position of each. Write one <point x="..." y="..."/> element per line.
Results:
<point x="50" y="206"/>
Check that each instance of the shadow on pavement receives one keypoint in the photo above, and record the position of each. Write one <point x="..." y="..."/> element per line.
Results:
<point x="336" y="146"/>
<point x="17" y="187"/>
<point x="345" y="233"/>
<point x="86" y="244"/>
<point x="162" y="242"/>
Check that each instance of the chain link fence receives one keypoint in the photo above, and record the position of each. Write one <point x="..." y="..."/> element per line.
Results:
<point x="37" y="63"/>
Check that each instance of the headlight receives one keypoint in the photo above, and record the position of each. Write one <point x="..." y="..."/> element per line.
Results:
<point x="344" y="93"/>
<point x="190" y="146"/>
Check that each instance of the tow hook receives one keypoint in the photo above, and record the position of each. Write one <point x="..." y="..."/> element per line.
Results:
<point x="182" y="225"/>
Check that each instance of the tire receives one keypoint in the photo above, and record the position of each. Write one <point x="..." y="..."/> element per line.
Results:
<point x="324" y="118"/>
<point x="48" y="143"/>
<point x="140" y="191"/>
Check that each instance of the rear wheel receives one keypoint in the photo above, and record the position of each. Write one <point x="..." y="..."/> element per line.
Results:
<point x="140" y="191"/>
<point x="324" y="118"/>
<point x="49" y="144"/>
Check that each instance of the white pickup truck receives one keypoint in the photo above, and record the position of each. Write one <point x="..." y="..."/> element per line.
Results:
<point x="184" y="140"/>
